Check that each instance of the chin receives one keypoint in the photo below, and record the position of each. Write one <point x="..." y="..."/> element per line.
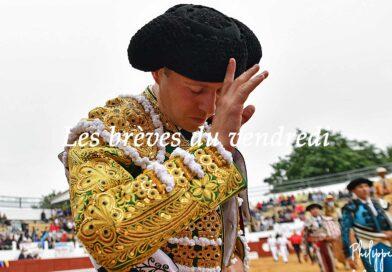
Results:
<point x="191" y="127"/>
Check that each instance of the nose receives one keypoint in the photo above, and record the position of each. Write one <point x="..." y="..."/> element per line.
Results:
<point x="206" y="102"/>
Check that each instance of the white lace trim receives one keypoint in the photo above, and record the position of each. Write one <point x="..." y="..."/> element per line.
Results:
<point x="240" y="201"/>
<point x="98" y="127"/>
<point x="156" y="122"/>
<point x="247" y="250"/>
<point x="233" y="260"/>
<point x="214" y="141"/>
<point x="200" y="241"/>
<point x="189" y="160"/>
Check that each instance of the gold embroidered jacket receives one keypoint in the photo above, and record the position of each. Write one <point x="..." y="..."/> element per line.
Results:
<point x="123" y="213"/>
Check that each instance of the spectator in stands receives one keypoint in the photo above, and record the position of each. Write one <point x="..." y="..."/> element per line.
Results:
<point x="60" y="213"/>
<point x="301" y="198"/>
<point x="267" y="223"/>
<point x="290" y="200"/>
<point x="24" y="255"/>
<point x="319" y="196"/>
<point x="283" y="201"/>
<point x="7" y="242"/>
<point x="44" y="237"/>
<point x="299" y="208"/>
<point x="34" y="236"/>
<point x="20" y="240"/>
<point x="288" y="215"/>
<point x="43" y="217"/>
<point x="51" y="241"/>
<point x="54" y="227"/>
<point x="279" y="217"/>
<point x="64" y="237"/>
<point x="4" y="220"/>
<point x="310" y="197"/>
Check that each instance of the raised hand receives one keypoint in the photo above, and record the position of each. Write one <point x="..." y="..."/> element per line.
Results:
<point x="230" y="113"/>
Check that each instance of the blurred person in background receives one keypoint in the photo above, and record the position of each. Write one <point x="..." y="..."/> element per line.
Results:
<point x="371" y="225"/>
<point x="383" y="186"/>
<point x="273" y="247"/>
<point x="331" y="207"/>
<point x="296" y="241"/>
<point x="283" y="243"/>
<point x="317" y="232"/>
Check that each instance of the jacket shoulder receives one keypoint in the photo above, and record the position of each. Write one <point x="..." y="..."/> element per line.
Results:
<point x="125" y="114"/>
<point x="350" y="206"/>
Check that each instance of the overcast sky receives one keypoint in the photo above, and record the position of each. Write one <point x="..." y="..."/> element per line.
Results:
<point x="330" y="65"/>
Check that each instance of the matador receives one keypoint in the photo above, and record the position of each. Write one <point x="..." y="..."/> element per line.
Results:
<point x="165" y="202"/>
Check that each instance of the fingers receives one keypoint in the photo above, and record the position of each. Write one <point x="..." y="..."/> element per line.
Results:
<point x="250" y="85"/>
<point x="230" y="71"/>
<point x="245" y="76"/>
<point x="247" y="113"/>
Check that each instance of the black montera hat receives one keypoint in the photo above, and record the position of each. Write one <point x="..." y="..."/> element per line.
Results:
<point x="312" y="206"/>
<point x="355" y="182"/>
<point x="194" y="41"/>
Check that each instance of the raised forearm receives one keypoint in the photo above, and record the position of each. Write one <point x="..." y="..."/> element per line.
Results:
<point x="128" y="220"/>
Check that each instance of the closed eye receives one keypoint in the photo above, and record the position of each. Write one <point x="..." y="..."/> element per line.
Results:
<point x="195" y="90"/>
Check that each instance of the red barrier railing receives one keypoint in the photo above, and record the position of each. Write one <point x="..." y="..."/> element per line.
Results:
<point x="45" y="265"/>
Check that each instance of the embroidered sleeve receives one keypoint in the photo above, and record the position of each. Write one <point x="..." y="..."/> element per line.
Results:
<point x="122" y="218"/>
<point x="346" y="225"/>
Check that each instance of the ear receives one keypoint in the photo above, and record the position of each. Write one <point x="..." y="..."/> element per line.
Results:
<point x="157" y="75"/>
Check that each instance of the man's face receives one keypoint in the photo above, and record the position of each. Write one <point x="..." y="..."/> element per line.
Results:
<point x="315" y="212"/>
<point x="362" y="191"/>
<point x="330" y="202"/>
<point x="186" y="102"/>
<point x="382" y="174"/>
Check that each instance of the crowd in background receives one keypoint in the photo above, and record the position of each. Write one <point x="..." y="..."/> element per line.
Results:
<point x="287" y="208"/>
<point x="266" y="215"/>
<point x="58" y="228"/>
<point x="334" y="222"/>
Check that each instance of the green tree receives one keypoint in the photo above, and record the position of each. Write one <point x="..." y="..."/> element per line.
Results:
<point x="389" y="153"/>
<point x="46" y="201"/>
<point x="341" y="154"/>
